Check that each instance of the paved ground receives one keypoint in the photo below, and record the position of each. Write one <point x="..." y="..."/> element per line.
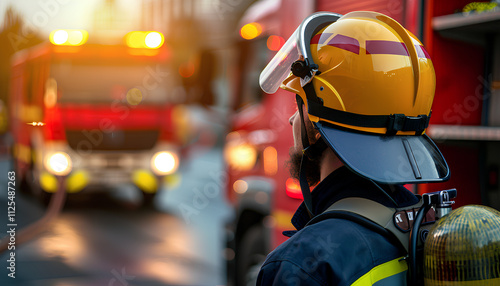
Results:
<point x="108" y="240"/>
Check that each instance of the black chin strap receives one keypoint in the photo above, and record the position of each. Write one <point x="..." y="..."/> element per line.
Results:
<point x="304" y="136"/>
<point x="304" y="186"/>
<point x="310" y="151"/>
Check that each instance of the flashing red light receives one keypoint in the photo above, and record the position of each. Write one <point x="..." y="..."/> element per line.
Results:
<point x="293" y="189"/>
<point x="274" y="43"/>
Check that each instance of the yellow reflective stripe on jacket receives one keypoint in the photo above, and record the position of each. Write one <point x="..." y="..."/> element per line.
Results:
<point x="382" y="271"/>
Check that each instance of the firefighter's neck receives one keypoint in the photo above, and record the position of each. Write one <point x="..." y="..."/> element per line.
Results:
<point x="329" y="163"/>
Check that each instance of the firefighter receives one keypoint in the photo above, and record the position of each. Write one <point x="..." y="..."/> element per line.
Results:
<point x="364" y="88"/>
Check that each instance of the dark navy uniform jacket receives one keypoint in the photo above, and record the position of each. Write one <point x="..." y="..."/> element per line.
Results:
<point x="337" y="251"/>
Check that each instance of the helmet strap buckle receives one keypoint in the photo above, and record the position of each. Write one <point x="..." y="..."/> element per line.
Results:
<point x="304" y="70"/>
<point x="396" y="123"/>
<point x="401" y="122"/>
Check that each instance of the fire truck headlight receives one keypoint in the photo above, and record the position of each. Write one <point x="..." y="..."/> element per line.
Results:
<point x="164" y="163"/>
<point x="144" y="40"/>
<point x="68" y="37"/>
<point x="153" y="40"/>
<point x="58" y="163"/>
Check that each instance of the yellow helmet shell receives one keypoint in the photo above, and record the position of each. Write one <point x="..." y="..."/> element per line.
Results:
<point x="370" y="65"/>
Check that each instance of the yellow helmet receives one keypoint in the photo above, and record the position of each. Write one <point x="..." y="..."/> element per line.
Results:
<point x="368" y="85"/>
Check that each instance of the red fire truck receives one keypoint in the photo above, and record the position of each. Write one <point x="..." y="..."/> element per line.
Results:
<point x="463" y="122"/>
<point x="99" y="115"/>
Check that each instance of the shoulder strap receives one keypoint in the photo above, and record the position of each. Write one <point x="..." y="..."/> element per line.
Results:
<point x="366" y="212"/>
<point x="354" y="217"/>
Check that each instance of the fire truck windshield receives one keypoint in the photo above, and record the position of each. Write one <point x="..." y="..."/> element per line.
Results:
<point x="104" y="83"/>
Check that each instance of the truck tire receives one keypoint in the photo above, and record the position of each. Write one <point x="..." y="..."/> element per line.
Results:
<point x="251" y="253"/>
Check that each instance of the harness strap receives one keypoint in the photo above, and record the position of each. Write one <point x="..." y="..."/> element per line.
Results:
<point x="373" y="211"/>
<point x="380" y="219"/>
<point x="361" y="220"/>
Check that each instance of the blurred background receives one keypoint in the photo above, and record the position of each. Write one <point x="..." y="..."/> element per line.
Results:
<point x="136" y="147"/>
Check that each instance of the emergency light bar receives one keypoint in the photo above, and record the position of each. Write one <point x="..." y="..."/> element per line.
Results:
<point x="144" y="40"/>
<point x="68" y="37"/>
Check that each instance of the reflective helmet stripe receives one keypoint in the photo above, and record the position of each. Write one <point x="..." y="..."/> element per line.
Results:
<point x="345" y="43"/>
<point x="373" y="47"/>
<point x="386" y="48"/>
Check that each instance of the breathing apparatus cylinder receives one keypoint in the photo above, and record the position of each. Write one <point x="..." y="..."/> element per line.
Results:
<point x="463" y="248"/>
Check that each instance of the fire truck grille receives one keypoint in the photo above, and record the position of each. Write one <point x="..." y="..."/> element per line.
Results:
<point x="130" y="140"/>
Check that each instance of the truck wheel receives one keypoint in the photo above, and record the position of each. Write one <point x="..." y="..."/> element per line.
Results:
<point x="250" y="256"/>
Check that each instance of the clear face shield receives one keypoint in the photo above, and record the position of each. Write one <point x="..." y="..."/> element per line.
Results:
<point x="297" y="47"/>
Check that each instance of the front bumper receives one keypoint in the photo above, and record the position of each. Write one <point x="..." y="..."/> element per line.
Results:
<point x="78" y="180"/>
<point x="105" y="170"/>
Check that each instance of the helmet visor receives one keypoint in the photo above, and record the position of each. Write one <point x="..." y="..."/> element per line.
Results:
<point x="278" y="69"/>
<point x="296" y="46"/>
